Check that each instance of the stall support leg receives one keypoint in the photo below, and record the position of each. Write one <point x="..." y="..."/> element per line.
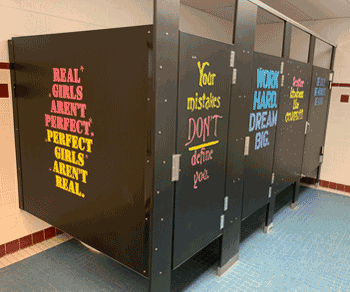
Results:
<point x="317" y="182"/>
<point x="229" y="246"/>
<point x="295" y="194"/>
<point x="269" y="215"/>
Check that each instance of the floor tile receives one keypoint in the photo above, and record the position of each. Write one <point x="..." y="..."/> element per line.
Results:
<point x="307" y="250"/>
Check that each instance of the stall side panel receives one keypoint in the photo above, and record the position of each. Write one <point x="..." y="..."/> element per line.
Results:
<point x="81" y="111"/>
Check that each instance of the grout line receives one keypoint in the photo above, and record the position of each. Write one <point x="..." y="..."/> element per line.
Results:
<point x="41" y="246"/>
<point x="11" y="259"/>
<point x="36" y="249"/>
<point x="24" y="253"/>
<point x="17" y="255"/>
<point x="5" y="261"/>
<point x="30" y="250"/>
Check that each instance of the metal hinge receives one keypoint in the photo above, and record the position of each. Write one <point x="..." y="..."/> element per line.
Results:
<point x="273" y="178"/>
<point x="225" y="203"/>
<point x="232" y="59"/>
<point x="282" y="67"/>
<point x="176" y="167"/>
<point x="322" y="150"/>
<point x="330" y="84"/>
<point x="222" y="220"/>
<point x="331" y="76"/>
<point x="234" y="76"/>
<point x="321" y="159"/>
<point x="307" y="127"/>
<point x="270" y="192"/>
<point x="246" y="146"/>
<point x="282" y="81"/>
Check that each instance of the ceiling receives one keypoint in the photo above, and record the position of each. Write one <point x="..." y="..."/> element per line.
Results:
<point x="298" y="10"/>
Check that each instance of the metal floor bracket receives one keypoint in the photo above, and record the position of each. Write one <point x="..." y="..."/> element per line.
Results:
<point x="230" y="263"/>
<point x="267" y="229"/>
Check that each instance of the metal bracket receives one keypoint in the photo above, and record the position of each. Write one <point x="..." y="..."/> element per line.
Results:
<point x="273" y="178"/>
<point x="225" y="203"/>
<point x="267" y="229"/>
<point x="222" y="220"/>
<point x="282" y="81"/>
<point x="246" y="146"/>
<point x="321" y="159"/>
<point x="234" y="76"/>
<point x="176" y="167"/>
<point x="232" y="59"/>
<point x="282" y="67"/>
<point x="270" y="192"/>
<point x="330" y="84"/>
<point x="307" y="127"/>
<point x="331" y="76"/>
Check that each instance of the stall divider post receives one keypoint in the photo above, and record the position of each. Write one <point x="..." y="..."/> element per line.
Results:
<point x="165" y="71"/>
<point x="287" y="40"/>
<point x="243" y="39"/>
<point x="297" y="183"/>
<point x="310" y="61"/>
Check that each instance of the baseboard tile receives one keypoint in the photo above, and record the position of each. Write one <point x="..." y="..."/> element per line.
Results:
<point x="11" y="252"/>
<point x="326" y="186"/>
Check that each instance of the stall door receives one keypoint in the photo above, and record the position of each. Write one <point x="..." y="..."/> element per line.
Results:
<point x="317" y="120"/>
<point x="292" y="115"/>
<point x="205" y="78"/>
<point x="261" y="124"/>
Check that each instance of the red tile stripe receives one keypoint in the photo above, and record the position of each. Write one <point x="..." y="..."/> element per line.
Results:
<point x="327" y="184"/>
<point x="5" y="66"/>
<point x="4" y="90"/>
<point x="29" y="240"/>
<point x="340" y="84"/>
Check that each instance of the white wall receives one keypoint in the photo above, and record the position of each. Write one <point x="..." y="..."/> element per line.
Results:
<point x="203" y="24"/>
<point x="268" y="38"/>
<point x="33" y="17"/>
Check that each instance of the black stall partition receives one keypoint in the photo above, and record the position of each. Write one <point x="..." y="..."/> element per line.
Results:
<point x="155" y="148"/>
<point x="84" y="126"/>
<point x="85" y="115"/>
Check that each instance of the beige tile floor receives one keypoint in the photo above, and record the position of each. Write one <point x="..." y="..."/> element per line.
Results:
<point x="32" y="250"/>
